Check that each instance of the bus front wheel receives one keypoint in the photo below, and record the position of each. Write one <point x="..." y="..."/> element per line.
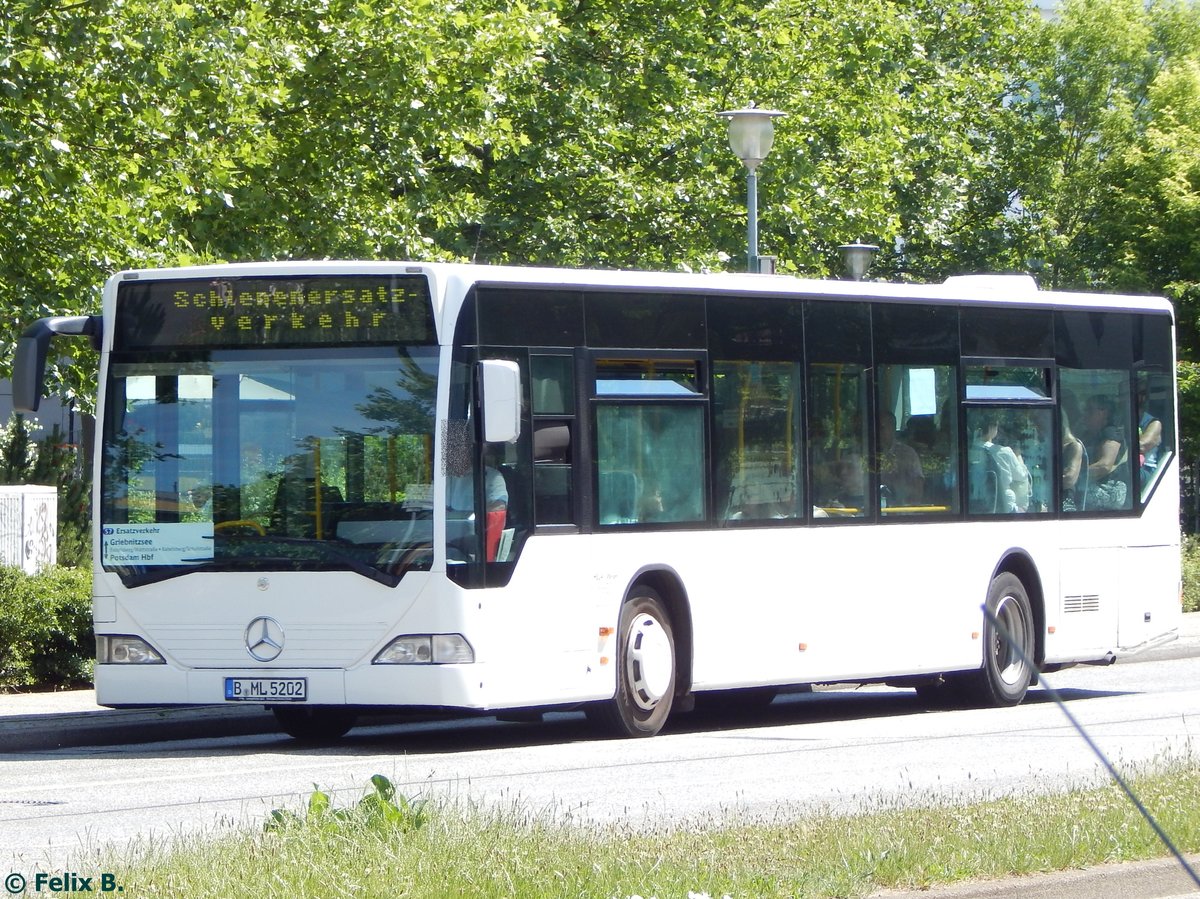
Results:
<point x="314" y="723"/>
<point x="1007" y="673"/>
<point x="645" y="669"/>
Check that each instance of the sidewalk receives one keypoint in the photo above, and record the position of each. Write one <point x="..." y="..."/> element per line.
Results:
<point x="1157" y="879"/>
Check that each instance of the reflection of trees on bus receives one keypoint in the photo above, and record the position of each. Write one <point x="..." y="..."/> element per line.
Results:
<point x="407" y="410"/>
<point x="129" y="482"/>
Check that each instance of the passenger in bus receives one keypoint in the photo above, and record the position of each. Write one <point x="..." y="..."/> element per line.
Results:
<point x="1017" y="432"/>
<point x="1108" y="452"/>
<point x="1012" y="478"/>
<point x="845" y="484"/>
<point x="1149" y="438"/>
<point x="1074" y="467"/>
<point x="901" y="479"/>
<point x="460" y="503"/>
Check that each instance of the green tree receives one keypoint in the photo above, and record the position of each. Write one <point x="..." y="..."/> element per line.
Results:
<point x="583" y="132"/>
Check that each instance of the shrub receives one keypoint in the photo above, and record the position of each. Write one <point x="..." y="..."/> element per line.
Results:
<point x="381" y="811"/>
<point x="1191" y="573"/>
<point x="46" y="638"/>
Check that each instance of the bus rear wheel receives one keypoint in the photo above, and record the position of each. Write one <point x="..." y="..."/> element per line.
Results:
<point x="645" y="669"/>
<point x="1007" y="673"/>
<point x="314" y="723"/>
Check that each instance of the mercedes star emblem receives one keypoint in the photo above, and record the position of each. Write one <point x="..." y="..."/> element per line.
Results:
<point x="264" y="639"/>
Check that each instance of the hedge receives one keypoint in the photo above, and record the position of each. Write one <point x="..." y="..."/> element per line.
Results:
<point x="46" y="638"/>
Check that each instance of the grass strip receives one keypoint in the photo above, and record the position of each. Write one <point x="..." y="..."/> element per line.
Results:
<point x="424" y="851"/>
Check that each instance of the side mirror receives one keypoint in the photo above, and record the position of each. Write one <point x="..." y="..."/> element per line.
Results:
<point x="500" y="389"/>
<point x="33" y="346"/>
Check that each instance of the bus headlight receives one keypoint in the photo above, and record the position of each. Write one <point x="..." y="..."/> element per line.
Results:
<point x="122" y="649"/>
<point x="426" y="649"/>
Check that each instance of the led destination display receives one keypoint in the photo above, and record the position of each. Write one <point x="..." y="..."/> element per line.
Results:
<point x="293" y="311"/>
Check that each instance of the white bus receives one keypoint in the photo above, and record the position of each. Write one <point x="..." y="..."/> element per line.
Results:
<point x="335" y="487"/>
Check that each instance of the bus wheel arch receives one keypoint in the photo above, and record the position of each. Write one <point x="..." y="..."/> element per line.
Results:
<point x="1006" y="674"/>
<point x="669" y="586"/>
<point x="1018" y="564"/>
<point x="653" y="642"/>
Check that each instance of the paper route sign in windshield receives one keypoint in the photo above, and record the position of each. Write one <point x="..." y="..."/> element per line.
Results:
<point x="166" y="543"/>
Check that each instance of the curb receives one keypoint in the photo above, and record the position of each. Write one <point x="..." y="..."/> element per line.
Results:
<point x="1160" y="878"/>
<point x="105" y="727"/>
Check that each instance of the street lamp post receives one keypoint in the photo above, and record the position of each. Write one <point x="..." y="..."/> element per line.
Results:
<point x="751" y="132"/>
<point x="857" y="258"/>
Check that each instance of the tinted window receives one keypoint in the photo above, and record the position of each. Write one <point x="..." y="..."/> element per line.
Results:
<point x="916" y="334"/>
<point x="1007" y="382"/>
<point x="1007" y="460"/>
<point x="1094" y="340"/>
<point x="917" y="439"/>
<point x="755" y="328"/>
<point x="1153" y="341"/>
<point x="838" y="349"/>
<point x="553" y="385"/>
<point x="649" y="463"/>
<point x="530" y="317"/>
<point x="1095" y="422"/>
<point x="838" y="332"/>
<point x="1007" y="333"/>
<point x="757" y="450"/>
<point x="645" y="319"/>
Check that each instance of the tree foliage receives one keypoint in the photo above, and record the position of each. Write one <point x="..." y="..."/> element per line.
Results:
<point x="960" y="136"/>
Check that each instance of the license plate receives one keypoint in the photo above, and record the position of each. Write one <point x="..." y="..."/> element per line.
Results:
<point x="266" y="689"/>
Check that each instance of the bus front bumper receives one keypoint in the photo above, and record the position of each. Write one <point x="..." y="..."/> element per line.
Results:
<point x="435" y="686"/>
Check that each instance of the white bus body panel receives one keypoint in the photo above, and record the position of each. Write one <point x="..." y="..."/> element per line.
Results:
<point x="819" y="605"/>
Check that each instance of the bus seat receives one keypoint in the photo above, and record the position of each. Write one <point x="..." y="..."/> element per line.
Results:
<point x="1081" y="483"/>
<point x="551" y="443"/>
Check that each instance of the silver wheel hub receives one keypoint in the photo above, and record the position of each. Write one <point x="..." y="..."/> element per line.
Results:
<point x="1008" y="662"/>
<point x="649" y="661"/>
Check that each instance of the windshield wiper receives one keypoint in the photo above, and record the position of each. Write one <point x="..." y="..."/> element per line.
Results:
<point x="160" y="573"/>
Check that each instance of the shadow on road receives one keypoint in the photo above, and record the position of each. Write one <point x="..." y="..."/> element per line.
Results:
<point x="421" y="735"/>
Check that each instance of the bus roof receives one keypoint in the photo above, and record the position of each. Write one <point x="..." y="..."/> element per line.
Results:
<point x="450" y="282"/>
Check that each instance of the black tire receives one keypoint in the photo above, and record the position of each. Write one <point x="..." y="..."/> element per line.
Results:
<point x="645" y="669"/>
<point x="314" y="723"/>
<point x="1006" y="674"/>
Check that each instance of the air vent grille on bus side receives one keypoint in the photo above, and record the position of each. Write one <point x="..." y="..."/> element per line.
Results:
<point x="1085" y="603"/>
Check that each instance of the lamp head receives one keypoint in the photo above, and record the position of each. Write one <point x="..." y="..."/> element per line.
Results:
<point x="857" y="258"/>
<point x="751" y="133"/>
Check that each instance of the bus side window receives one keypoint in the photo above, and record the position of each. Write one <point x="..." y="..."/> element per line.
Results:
<point x="553" y="392"/>
<point x="756" y="441"/>
<point x="1156" y="435"/>
<point x="837" y="340"/>
<point x="1096" y="408"/>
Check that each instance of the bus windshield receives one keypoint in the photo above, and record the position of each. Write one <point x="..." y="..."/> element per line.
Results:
<point x="269" y="459"/>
